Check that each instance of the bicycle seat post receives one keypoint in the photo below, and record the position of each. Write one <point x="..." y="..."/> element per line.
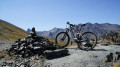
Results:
<point x="81" y="27"/>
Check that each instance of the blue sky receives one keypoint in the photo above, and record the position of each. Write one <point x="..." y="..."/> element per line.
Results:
<point x="47" y="14"/>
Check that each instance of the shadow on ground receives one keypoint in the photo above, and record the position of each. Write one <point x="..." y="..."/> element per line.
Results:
<point x="98" y="50"/>
<point x="75" y="48"/>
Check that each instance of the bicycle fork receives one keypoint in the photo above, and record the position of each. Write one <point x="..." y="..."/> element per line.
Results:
<point x="63" y="38"/>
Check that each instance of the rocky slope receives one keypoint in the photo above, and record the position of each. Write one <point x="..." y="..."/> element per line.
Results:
<point x="10" y="32"/>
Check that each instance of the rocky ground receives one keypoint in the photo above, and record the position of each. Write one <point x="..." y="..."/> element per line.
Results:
<point x="78" y="58"/>
<point x="5" y="44"/>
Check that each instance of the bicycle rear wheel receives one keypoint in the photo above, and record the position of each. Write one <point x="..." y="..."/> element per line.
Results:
<point x="62" y="39"/>
<point x="88" y="41"/>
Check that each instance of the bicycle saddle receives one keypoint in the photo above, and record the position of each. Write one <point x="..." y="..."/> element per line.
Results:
<point x="83" y="24"/>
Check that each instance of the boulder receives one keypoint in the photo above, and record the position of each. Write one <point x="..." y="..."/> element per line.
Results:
<point x="50" y="54"/>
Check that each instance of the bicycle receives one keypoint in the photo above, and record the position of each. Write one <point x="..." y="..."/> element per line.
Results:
<point x="85" y="41"/>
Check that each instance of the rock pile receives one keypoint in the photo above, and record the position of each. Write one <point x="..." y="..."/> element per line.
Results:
<point x="33" y="45"/>
<point x="31" y="51"/>
<point x="112" y="57"/>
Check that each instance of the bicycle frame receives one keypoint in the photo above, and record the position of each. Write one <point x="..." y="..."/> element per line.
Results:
<point x="71" y="32"/>
<point x="70" y="29"/>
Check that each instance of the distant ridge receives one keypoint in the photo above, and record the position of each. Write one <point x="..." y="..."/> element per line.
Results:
<point x="97" y="28"/>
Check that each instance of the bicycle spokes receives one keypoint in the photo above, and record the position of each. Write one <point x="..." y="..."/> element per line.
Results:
<point x="62" y="39"/>
<point x="88" y="40"/>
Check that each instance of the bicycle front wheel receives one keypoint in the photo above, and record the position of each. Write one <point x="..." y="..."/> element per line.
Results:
<point x="62" y="39"/>
<point x="88" y="41"/>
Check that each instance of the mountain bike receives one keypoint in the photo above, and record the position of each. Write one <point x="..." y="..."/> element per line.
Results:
<point x="85" y="41"/>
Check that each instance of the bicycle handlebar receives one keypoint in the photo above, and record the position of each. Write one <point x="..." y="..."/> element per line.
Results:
<point x="70" y="24"/>
<point x="73" y="25"/>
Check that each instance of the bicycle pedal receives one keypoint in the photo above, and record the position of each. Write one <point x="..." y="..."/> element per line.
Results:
<point x="75" y="39"/>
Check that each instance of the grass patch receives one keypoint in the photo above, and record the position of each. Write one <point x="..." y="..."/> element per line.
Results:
<point x="116" y="64"/>
<point x="53" y="40"/>
<point x="12" y="38"/>
<point x="2" y="55"/>
<point x="110" y="42"/>
<point x="11" y="32"/>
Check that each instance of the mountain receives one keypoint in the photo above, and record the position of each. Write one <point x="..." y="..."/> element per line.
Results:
<point x="11" y="32"/>
<point x="51" y="33"/>
<point x="102" y="28"/>
<point x="97" y="28"/>
<point x="28" y="30"/>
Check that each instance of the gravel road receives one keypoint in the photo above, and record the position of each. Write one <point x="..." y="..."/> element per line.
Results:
<point x="81" y="58"/>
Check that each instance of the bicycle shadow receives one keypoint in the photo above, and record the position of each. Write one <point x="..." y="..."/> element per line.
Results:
<point x="87" y="50"/>
<point x="74" y="48"/>
<point x="99" y="50"/>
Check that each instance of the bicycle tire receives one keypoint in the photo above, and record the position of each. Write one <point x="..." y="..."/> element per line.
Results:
<point x="57" y="41"/>
<point x="90" y="47"/>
